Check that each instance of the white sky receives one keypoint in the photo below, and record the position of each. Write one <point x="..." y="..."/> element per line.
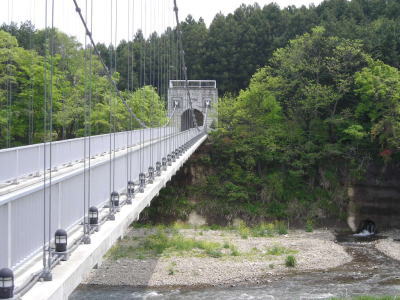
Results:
<point x="149" y="15"/>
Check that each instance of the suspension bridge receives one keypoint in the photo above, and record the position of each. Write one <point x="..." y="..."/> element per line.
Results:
<point x="65" y="202"/>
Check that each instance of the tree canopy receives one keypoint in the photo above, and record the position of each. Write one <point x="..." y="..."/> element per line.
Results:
<point x="307" y="126"/>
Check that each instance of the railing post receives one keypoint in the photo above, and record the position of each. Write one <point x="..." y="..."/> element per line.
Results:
<point x="59" y="204"/>
<point x="16" y="166"/>
<point x="9" y="235"/>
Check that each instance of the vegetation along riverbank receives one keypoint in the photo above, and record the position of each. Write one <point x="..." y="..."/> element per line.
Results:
<point x="184" y="256"/>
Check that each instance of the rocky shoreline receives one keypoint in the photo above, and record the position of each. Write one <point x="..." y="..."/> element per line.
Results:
<point x="391" y="245"/>
<point x="241" y="261"/>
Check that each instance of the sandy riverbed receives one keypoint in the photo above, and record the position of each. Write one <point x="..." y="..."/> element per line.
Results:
<point x="313" y="251"/>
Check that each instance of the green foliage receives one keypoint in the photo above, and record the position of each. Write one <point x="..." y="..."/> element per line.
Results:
<point x="308" y="124"/>
<point x="162" y="242"/>
<point x="234" y="251"/>
<point x="290" y="134"/>
<point x="309" y="225"/>
<point x="281" y="227"/>
<point x="279" y="250"/>
<point x="22" y="71"/>
<point x="290" y="261"/>
<point x="243" y="230"/>
<point x="172" y="204"/>
<point x="379" y="109"/>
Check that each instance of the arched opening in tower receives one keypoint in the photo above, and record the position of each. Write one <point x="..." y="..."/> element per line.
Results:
<point x="187" y="119"/>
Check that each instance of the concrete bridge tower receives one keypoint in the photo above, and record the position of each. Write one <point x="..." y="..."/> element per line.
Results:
<point x="202" y="93"/>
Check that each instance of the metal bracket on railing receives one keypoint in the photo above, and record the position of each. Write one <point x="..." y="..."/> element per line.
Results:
<point x="46" y="275"/>
<point x="86" y="237"/>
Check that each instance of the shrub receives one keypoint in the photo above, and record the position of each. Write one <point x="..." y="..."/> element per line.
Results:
<point x="309" y="225"/>
<point x="270" y="229"/>
<point x="281" y="227"/>
<point x="276" y="250"/>
<point x="243" y="230"/>
<point x="234" y="251"/>
<point x="280" y="250"/>
<point x="214" y="253"/>
<point x="290" y="261"/>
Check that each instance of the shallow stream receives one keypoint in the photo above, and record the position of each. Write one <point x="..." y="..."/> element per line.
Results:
<point x="369" y="273"/>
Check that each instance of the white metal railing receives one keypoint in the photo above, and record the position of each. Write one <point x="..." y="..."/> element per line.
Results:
<point x="22" y="215"/>
<point x="193" y="84"/>
<point x="27" y="160"/>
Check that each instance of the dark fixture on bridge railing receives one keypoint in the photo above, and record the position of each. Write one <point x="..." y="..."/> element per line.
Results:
<point x="115" y="200"/>
<point x="93" y="217"/>
<point x="169" y="159"/>
<point x="131" y="192"/>
<point x="164" y="163"/>
<point x="61" y="240"/>
<point x="173" y="156"/>
<point x="6" y="283"/>
<point x="142" y="182"/>
<point x="151" y="175"/>
<point x="177" y="153"/>
<point x="158" y="168"/>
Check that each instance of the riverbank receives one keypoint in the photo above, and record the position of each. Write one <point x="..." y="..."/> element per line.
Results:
<point x="391" y="245"/>
<point x="182" y="257"/>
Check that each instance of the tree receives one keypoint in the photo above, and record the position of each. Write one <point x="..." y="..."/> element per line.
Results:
<point x="379" y="109"/>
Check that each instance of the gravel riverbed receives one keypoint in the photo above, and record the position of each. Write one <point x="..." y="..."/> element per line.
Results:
<point x="391" y="245"/>
<point x="254" y="264"/>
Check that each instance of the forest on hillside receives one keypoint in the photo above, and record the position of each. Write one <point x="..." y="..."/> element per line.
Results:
<point x="311" y="98"/>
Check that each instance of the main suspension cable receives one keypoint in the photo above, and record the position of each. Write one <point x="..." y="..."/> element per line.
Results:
<point x="182" y="52"/>
<point x="108" y="72"/>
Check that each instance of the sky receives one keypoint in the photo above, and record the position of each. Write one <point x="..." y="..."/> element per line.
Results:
<point x="150" y="15"/>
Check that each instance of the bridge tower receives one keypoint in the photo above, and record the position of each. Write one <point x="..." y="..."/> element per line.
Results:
<point x="202" y="93"/>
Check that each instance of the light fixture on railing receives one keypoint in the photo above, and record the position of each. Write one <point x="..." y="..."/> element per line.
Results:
<point x="130" y="189"/>
<point x="61" y="240"/>
<point x="142" y="182"/>
<point x="151" y="175"/>
<point x="94" y="217"/>
<point x="173" y="156"/>
<point x="115" y="200"/>
<point x="158" y="168"/>
<point x="6" y="283"/>
<point x="164" y="163"/>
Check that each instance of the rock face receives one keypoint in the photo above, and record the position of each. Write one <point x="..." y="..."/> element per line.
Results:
<point x="376" y="198"/>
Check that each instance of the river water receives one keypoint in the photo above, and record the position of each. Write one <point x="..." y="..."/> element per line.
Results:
<point x="370" y="273"/>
